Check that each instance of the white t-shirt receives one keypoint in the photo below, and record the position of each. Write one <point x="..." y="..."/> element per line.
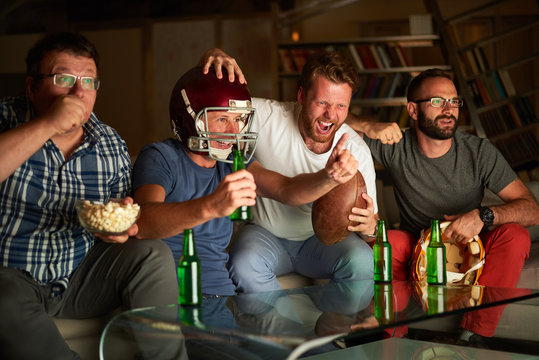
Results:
<point x="281" y="148"/>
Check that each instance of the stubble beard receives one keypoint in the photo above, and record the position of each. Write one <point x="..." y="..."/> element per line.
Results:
<point x="430" y="126"/>
<point x="312" y="133"/>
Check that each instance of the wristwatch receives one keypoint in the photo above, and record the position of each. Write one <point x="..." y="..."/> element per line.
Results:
<point x="371" y="237"/>
<point x="486" y="215"/>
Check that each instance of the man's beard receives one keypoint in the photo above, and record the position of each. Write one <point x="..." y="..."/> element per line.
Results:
<point x="312" y="133"/>
<point x="430" y="127"/>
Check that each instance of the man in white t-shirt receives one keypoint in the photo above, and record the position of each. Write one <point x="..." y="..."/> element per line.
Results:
<point x="294" y="138"/>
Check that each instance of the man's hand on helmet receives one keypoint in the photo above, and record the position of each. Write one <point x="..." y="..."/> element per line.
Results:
<point x="219" y="59"/>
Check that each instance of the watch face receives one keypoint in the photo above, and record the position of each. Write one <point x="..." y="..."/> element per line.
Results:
<point x="486" y="215"/>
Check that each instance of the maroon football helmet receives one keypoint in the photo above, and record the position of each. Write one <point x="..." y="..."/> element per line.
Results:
<point x="193" y="96"/>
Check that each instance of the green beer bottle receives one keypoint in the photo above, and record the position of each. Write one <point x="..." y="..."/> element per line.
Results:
<point x="383" y="271"/>
<point x="189" y="272"/>
<point x="436" y="299"/>
<point x="191" y="316"/>
<point x="436" y="256"/>
<point x="243" y="213"/>
<point x="383" y="303"/>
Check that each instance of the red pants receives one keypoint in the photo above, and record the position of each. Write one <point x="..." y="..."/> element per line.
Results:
<point x="506" y="249"/>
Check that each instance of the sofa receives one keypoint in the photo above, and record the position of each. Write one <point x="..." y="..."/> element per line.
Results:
<point x="83" y="335"/>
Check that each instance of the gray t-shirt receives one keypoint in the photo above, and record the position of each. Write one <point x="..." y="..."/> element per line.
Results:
<point x="428" y="188"/>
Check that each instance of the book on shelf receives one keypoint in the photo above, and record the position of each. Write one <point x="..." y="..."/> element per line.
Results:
<point x="490" y="86"/>
<point x="390" y="49"/>
<point x="519" y="148"/>
<point x="524" y="110"/>
<point x="355" y="56"/>
<point x="507" y="117"/>
<point x="483" y="94"/>
<point x="402" y="86"/>
<point x="384" y="56"/>
<point x="507" y="82"/>
<point x="531" y="142"/>
<point x="376" y="56"/>
<point x="471" y="62"/>
<point x="527" y="109"/>
<point x="366" y="56"/>
<point x="490" y="126"/>
<point x="363" y="81"/>
<point x="402" y="55"/>
<point x="372" y="91"/>
<point x="514" y="114"/>
<point x="384" y="86"/>
<point x="480" y="59"/>
<point x="371" y="79"/>
<point x="476" y="96"/>
<point x="499" y="86"/>
<point x="397" y="78"/>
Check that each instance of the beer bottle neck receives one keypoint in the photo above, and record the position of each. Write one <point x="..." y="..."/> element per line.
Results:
<point x="435" y="234"/>
<point x="238" y="160"/>
<point x="381" y="232"/>
<point x="188" y="243"/>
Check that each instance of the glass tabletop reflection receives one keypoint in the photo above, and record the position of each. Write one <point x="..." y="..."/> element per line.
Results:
<point x="289" y="323"/>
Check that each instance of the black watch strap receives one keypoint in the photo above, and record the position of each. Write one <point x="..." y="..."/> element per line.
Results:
<point x="486" y="215"/>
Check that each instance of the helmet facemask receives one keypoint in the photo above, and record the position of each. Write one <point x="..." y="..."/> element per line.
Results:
<point x="243" y="140"/>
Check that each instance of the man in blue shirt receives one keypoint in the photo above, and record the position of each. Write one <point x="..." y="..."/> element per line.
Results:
<point x="53" y="151"/>
<point x="187" y="183"/>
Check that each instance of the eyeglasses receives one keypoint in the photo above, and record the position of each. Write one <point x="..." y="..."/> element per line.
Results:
<point x="68" y="80"/>
<point x="440" y="102"/>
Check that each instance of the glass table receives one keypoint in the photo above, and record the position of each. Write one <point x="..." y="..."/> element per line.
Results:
<point x="287" y="324"/>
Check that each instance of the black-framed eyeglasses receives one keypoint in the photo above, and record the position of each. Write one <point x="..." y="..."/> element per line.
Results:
<point x="68" y="80"/>
<point x="440" y="102"/>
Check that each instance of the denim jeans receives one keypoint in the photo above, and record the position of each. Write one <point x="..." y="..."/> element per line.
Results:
<point x="257" y="257"/>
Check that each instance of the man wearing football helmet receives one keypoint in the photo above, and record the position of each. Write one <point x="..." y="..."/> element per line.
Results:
<point x="294" y="136"/>
<point x="188" y="182"/>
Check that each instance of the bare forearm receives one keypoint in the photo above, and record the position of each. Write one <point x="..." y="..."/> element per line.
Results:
<point x="386" y="132"/>
<point x="521" y="211"/>
<point x="303" y="188"/>
<point x="19" y="144"/>
<point x="357" y="124"/>
<point x="162" y="220"/>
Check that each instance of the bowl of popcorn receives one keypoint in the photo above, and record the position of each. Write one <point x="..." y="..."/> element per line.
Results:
<point x="112" y="218"/>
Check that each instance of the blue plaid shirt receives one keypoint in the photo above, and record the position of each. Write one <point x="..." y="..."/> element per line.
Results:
<point x="39" y="230"/>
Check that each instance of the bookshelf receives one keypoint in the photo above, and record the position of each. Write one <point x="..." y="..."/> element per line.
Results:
<point x="385" y="65"/>
<point x="495" y="57"/>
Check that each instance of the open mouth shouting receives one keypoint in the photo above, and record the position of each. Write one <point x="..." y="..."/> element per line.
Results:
<point x="324" y="127"/>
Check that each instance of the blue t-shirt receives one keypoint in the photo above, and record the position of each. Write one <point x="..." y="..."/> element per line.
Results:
<point x="167" y="164"/>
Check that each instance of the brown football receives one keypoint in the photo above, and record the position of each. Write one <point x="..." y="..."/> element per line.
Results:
<point x="330" y="212"/>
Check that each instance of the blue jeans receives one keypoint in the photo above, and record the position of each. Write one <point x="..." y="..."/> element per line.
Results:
<point x="257" y="257"/>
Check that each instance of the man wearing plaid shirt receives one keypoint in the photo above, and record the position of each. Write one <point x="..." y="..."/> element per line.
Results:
<point x="53" y="151"/>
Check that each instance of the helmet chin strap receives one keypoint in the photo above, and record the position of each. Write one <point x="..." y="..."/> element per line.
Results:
<point x="220" y="154"/>
<point x="187" y="104"/>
